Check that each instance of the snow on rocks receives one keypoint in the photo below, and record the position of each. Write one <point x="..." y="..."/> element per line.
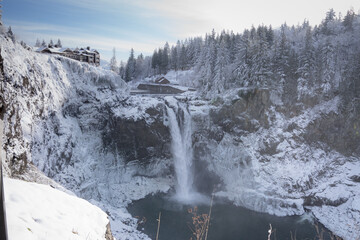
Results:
<point x="274" y="169"/>
<point x="54" y="109"/>
<point x="36" y="211"/>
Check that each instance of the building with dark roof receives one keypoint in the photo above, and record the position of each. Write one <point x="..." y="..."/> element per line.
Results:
<point x="87" y="55"/>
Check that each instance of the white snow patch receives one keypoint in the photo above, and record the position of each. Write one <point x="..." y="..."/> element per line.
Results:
<point x="36" y="211"/>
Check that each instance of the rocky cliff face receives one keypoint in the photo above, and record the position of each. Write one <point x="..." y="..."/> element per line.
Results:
<point x="79" y="125"/>
<point x="58" y="115"/>
<point x="282" y="159"/>
<point x="142" y="138"/>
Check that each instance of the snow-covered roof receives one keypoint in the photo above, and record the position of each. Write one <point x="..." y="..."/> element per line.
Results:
<point x="40" y="49"/>
<point x="55" y="50"/>
<point x="65" y="49"/>
<point x="62" y="50"/>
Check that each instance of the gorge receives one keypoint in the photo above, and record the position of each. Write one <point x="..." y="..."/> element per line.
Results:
<point x="267" y="152"/>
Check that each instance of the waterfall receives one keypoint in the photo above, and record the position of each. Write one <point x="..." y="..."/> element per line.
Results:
<point x="181" y="148"/>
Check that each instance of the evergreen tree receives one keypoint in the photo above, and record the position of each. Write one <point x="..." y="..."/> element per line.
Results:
<point x="160" y="60"/>
<point x="43" y="43"/>
<point x="165" y="59"/>
<point x="58" y="44"/>
<point x="130" y="69"/>
<point x="306" y="65"/>
<point x="182" y="57"/>
<point x="155" y="61"/>
<point x="122" y="69"/>
<point x="221" y="66"/>
<point x="11" y="35"/>
<point x="241" y="68"/>
<point x="173" y="58"/>
<point x="270" y="36"/>
<point x="330" y="17"/>
<point x="113" y="62"/>
<point x="51" y="44"/>
<point x="349" y="19"/>
<point x="328" y="64"/>
<point x="139" y="70"/>
<point x="37" y="43"/>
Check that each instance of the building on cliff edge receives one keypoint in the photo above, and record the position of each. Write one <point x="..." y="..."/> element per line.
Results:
<point x="87" y="55"/>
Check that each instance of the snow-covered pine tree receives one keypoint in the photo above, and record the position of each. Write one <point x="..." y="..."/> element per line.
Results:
<point x="51" y="44"/>
<point x="306" y="64"/>
<point x="140" y="68"/>
<point x="349" y="19"/>
<point x="155" y="62"/>
<point x="113" y="62"/>
<point x="122" y="69"/>
<point x="326" y="23"/>
<point x="328" y="73"/>
<point x="37" y="43"/>
<point x="130" y="67"/>
<point x="221" y="66"/>
<point x="182" y="57"/>
<point x="10" y="34"/>
<point x="58" y="44"/>
<point x="164" y="63"/>
<point x="241" y="68"/>
<point x="173" y="58"/>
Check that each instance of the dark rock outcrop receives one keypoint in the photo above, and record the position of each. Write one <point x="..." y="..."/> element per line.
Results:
<point x="138" y="139"/>
<point x="340" y="132"/>
<point x="245" y="114"/>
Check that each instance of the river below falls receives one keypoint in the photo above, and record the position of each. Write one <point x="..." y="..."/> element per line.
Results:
<point x="227" y="221"/>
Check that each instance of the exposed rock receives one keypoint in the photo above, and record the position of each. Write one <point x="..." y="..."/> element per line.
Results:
<point x="108" y="233"/>
<point x="139" y="139"/>
<point x="340" y="131"/>
<point x="245" y="114"/>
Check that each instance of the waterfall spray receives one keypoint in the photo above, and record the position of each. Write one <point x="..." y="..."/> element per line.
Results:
<point x="181" y="148"/>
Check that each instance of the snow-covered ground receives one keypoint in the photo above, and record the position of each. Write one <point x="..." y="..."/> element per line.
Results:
<point x="58" y="109"/>
<point x="40" y="212"/>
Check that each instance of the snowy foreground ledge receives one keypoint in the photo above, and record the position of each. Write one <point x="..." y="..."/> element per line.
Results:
<point x="36" y="211"/>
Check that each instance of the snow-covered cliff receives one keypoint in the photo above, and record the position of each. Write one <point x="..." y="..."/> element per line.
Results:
<point x="270" y="160"/>
<point x="56" y="114"/>
<point x="79" y="125"/>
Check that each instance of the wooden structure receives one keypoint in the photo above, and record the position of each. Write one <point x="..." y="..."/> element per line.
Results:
<point x="88" y="55"/>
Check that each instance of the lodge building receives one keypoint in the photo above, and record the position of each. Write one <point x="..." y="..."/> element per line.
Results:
<point x="88" y="55"/>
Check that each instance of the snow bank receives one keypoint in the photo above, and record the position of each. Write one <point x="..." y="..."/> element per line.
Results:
<point x="36" y="211"/>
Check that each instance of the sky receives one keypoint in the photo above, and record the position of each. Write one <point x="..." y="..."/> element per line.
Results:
<point x="145" y="25"/>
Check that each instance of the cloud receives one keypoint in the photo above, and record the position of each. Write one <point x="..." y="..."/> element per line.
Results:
<point x="200" y="16"/>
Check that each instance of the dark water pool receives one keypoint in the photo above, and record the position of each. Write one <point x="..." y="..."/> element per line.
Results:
<point x="228" y="222"/>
